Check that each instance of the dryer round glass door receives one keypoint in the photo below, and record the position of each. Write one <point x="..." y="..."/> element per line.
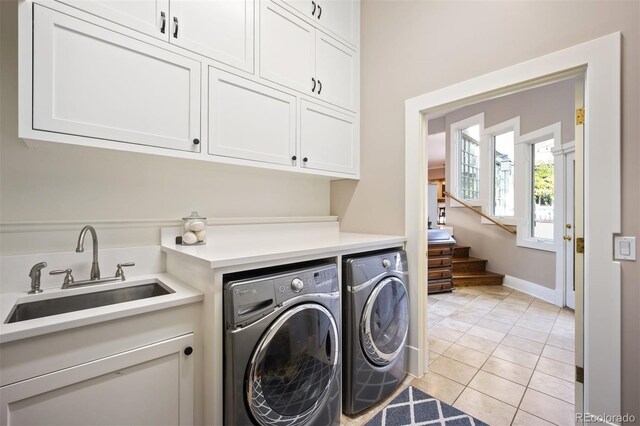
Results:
<point x="293" y="366"/>
<point x="385" y="321"/>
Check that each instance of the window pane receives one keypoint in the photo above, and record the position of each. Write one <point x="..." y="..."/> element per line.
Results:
<point x="503" y="180"/>
<point x="469" y="151"/>
<point x="543" y="190"/>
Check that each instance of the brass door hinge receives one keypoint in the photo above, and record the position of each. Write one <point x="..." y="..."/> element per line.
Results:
<point x="579" y="374"/>
<point x="579" y="245"/>
<point x="580" y="116"/>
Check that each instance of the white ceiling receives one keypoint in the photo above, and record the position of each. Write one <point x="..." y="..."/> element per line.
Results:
<point x="436" y="150"/>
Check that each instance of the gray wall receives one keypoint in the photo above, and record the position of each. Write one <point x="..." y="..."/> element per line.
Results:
<point x="537" y="108"/>
<point x="412" y="47"/>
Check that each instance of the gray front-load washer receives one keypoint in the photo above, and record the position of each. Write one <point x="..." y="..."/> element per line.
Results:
<point x="375" y="325"/>
<point x="282" y="354"/>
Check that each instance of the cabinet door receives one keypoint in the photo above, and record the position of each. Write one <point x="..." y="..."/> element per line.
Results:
<point x="219" y="29"/>
<point x="250" y="121"/>
<point x="147" y="16"/>
<point x="337" y="72"/>
<point x="92" y="82"/>
<point x="342" y="18"/>
<point x="151" y="385"/>
<point x="287" y="48"/>
<point x="328" y="139"/>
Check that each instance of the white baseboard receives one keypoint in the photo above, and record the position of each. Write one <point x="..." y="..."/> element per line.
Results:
<point x="550" y="295"/>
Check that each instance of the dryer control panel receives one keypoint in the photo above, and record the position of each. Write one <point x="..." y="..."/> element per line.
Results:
<point x="250" y="299"/>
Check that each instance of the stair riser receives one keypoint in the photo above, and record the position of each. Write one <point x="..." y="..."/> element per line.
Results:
<point x="477" y="281"/>
<point x="476" y="266"/>
<point x="461" y="252"/>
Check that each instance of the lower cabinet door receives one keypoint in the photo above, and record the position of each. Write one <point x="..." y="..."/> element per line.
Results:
<point x="92" y="82"/>
<point x="328" y="139"/>
<point x="151" y="385"/>
<point x="250" y="121"/>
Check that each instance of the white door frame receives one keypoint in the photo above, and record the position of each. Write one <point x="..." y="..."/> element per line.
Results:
<point x="600" y="60"/>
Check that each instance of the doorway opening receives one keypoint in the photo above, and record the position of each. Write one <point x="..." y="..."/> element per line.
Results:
<point x="599" y="295"/>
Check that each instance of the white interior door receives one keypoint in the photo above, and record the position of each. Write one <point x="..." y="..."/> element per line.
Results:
<point x="219" y="29"/>
<point x="92" y="82"/>
<point x="147" y="16"/>
<point x="569" y="241"/>
<point x="287" y="48"/>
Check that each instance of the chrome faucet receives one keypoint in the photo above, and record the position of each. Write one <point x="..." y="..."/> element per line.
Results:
<point x="95" y="268"/>
<point x="35" y="277"/>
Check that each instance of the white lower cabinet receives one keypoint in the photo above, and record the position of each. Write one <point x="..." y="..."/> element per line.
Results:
<point x="95" y="83"/>
<point x="150" y="385"/>
<point x="250" y="121"/>
<point x="328" y="139"/>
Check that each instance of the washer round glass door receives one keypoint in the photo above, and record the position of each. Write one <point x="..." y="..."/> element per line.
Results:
<point x="293" y="366"/>
<point x="385" y="321"/>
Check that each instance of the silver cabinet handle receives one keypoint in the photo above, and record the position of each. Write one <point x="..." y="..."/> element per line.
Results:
<point x="175" y="27"/>
<point x="163" y="26"/>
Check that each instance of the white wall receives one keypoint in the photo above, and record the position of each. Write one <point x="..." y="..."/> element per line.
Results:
<point x="413" y="47"/>
<point x="66" y="183"/>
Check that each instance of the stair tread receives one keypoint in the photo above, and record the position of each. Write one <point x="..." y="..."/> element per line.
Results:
<point x="467" y="259"/>
<point x="477" y="274"/>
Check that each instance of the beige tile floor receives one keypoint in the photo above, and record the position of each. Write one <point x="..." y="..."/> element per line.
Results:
<point x="499" y="355"/>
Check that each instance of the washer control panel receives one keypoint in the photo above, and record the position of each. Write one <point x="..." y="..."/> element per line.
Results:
<point x="297" y="285"/>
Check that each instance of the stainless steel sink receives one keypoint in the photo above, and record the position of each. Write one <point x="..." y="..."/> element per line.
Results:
<point x="78" y="302"/>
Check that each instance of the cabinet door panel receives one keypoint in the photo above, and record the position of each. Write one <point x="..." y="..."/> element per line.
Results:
<point x="219" y="29"/>
<point x="91" y="82"/>
<point x="328" y="139"/>
<point x="140" y="15"/>
<point x="287" y="48"/>
<point x="152" y="385"/>
<point x="337" y="70"/>
<point x="250" y="121"/>
<point x="342" y="18"/>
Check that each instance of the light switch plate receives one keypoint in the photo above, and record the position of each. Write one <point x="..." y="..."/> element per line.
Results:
<point x="624" y="248"/>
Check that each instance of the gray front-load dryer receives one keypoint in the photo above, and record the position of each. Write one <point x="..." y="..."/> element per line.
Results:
<point x="282" y="353"/>
<point x="375" y="325"/>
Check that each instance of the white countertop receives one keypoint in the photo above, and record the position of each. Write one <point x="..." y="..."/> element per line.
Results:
<point x="244" y="246"/>
<point x="183" y="294"/>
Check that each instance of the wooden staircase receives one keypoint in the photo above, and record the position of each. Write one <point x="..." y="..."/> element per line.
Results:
<point x="469" y="270"/>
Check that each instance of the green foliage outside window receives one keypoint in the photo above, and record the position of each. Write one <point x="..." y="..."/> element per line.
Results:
<point x="543" y="183"/>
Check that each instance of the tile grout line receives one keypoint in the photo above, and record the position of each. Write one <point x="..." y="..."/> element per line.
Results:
<point x="522" y="313"/>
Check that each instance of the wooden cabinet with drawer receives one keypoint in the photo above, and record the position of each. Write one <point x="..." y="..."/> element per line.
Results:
<point x="440" y="262"/>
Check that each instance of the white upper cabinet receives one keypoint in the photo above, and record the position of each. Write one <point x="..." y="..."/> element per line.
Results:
<point x="336" y="72"/>
<point x="328" y="140"/>
<point x="147" y="16"/>
<point x="250" y="121"/>
<point x="296" y="55"/>
<point x="339" y="17"/>
<point x="95" y="83"/>
<point x="219" y="29"/>
<point x="287" y="48"/>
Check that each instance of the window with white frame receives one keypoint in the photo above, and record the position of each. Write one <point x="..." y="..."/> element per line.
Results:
<point x="504" y="189"/>
<point x="542" y="187"/>
<point x="465" y="158"/>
